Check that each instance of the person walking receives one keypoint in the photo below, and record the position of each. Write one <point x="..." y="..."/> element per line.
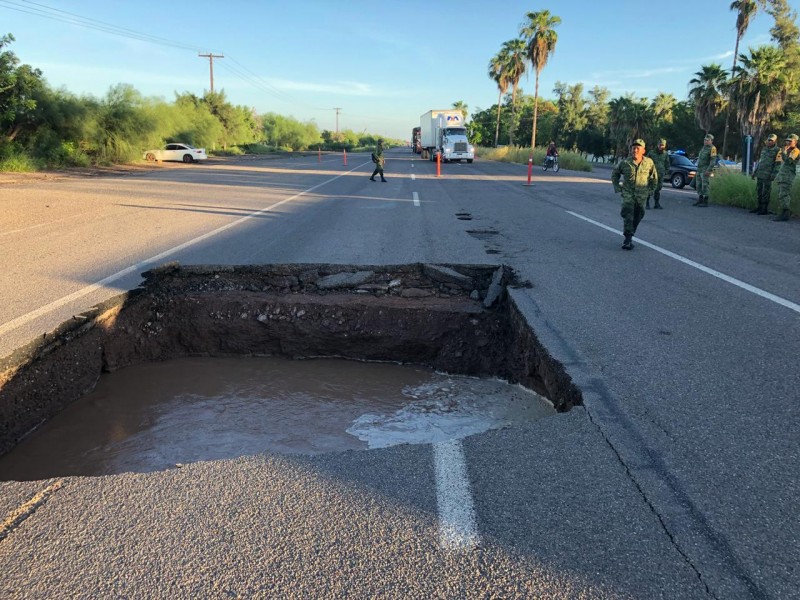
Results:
<point x="379" y="160"/>
<point x="706" y="161"/>
<point x="790" y="157"/>
<point x="766" y="170"/>
<point x="660" y="158"/>
<point x="639" y="179"/>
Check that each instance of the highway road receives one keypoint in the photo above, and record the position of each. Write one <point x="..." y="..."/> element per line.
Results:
<point x="679" y="478"/>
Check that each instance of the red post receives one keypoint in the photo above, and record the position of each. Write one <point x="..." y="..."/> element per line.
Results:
<point x="319" y="154"/>
<point x="438" y="164"/>
<point x="345" y="157"/>
<point x="530" y="168"/>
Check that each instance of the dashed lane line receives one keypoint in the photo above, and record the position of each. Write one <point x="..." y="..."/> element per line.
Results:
<point x="727" y="278"/>
<point x="458" y="530"/>
<point x="416" y="198"/>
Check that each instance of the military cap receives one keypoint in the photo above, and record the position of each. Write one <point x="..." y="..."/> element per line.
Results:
<point x="792" y="136"/>
<point x="638" y="142"/>
<point x="709" y="137"/>
<point x="662" y="142"/>
<point x="772" y="137"/>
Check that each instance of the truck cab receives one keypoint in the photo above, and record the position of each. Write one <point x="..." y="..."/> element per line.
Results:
<point x="454" y="145"/>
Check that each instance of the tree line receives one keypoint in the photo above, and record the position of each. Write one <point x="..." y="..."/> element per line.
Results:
<point x="758" y="95"/>
<point x="42" y="126"/>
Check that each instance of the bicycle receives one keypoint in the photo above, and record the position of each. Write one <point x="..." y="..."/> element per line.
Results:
<point x="551" y="162"/>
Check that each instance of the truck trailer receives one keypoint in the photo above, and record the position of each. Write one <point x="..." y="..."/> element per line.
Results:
<point x="442" y="132"/>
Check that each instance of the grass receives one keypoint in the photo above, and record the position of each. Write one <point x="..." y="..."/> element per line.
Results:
<point x="515" y="154"/>
<point x="731" y="188"/>
<point x="19" y="163"/>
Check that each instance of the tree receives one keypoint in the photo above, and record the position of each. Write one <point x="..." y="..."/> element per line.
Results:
<point x="459" y="105"/>
<point x="762" y="84"/>
<point x="745" y="11"/>
<point x="513" y="52"/>
<point x="19" y="85"/>
<point x="708" y="94"/>
<point x="629" y="118"/>
<point x="571" y="117"/>
<point x="497" y="74"/>
<point x="540" y="36"/>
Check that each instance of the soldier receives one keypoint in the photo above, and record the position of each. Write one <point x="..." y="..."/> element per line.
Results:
<point x="377" y="158"/>
<point x="790" y="158"/>
<point x="639" y="179"/>
<point x="660" y="159"/>
<point x="768" y="165"/>
<point x="706" y="161"/>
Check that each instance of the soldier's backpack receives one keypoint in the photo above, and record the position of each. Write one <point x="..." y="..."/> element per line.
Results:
<point x="374" y="158"/>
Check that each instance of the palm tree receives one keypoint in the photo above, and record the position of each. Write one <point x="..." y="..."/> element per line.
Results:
<point x="708" y="94"/>
<point x="541" y="39"/>
<point x="745" y="11"/>
<point x="498" y="75"/>
<point x="762" y="84"/>
<point x="513" y="52"/>
<point x="629" y="118"/>
<point x="459" y="105"/>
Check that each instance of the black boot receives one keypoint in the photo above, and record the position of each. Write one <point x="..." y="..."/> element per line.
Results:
<point x="704" y="203"/>
<point x="647" y="204"/>
<point x="699" y="201"/>
<point x="372" y="179"/>
<point x="383" y="179"/>
<point x="784" y="216"/>
<point x="657" y="198"/>
<point x="627" y="244"/>
<point x="762" y="209"/>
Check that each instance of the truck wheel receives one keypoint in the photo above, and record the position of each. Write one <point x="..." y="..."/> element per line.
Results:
<point x="469" y="160"/>
<point x="678" y="180"/>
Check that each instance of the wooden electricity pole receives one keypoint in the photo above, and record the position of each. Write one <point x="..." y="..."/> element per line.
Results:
<point x="211" y="58"/>
<point x="337" y="118"/>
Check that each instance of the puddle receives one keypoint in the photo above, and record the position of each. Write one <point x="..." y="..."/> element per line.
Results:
<point x="153" y="416"/>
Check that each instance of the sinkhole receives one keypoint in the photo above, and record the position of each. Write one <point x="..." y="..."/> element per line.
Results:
<point x="210" y="362"/>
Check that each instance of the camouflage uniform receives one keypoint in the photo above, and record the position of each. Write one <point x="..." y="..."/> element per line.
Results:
<point x="638" y="182"/>
<point x="768" y="165"/>
<point x="379" y="160"/>
<point x="706" y="161"/>
<point x="661" y="161"/>
<point x="790" y="158"/>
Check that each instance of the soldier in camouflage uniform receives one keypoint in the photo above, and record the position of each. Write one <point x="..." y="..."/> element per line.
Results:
<point x="768" y="165"/>
<point x="379" y="160"/>
<point x="790" y="158"/>
<point x="706" y="161"/>
<point x="660" y="158"/>
<point x="639" y="179"/>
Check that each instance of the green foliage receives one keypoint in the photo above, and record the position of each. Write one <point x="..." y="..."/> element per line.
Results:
<point x="733" y="188"/>
<point x="517" y="154"/>
<point x="289" y="133"/>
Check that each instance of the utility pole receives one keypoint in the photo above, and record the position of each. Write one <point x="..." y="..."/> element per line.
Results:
<point x="337" y="118"/>
<point x="211" y="58"/>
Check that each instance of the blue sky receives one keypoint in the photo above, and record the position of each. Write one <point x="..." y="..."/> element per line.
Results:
<point x="383" y="64"/>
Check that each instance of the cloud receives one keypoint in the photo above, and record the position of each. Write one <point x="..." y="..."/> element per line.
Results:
<point x="344" y="88"/>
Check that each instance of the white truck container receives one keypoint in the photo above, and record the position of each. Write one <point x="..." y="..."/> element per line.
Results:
<point x="443" y="132"/>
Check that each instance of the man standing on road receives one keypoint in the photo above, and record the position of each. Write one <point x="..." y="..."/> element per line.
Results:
<point x="660" y="159"/>
<point x="377" y="158"/>
<point x="768" y="165"/>
<point x="639" y="179"/>
<point x="790" y="157"/>
<point x="706" y="161"/>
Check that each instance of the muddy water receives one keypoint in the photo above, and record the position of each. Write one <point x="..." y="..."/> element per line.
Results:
<point x="159" y="415"/>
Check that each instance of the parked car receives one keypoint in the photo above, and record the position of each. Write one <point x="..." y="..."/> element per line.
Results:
<point x="681" y="170"/>
<point x="175" y="151"/>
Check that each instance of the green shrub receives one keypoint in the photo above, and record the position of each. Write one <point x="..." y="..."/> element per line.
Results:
<point x="19" y="163"/>
<point x="516" y="154"/>
<point x="732" y="188"/>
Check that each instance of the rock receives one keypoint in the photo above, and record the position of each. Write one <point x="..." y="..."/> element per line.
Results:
<point x="416" y="293"/>
<point x="475" y="295"/>
<point x="447" y="275"/>
<point x="344" y="280"/>
<point x="495" y="288"/>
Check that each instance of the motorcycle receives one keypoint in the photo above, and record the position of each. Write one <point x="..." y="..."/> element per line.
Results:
<point x="551" y="162"/>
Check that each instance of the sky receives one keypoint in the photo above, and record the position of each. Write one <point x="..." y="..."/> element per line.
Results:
<point x="382" y="64"/>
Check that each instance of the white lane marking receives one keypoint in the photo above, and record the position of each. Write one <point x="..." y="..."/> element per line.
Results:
<point x="457" y="525"/>
<point x="413" y="177"/>
<point x="727" y="278"/>
<point x="416" y="198"/>
<point x="56" y="304"/>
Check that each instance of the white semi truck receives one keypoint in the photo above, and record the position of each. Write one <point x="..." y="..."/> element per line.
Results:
<point x="443" y="132"/>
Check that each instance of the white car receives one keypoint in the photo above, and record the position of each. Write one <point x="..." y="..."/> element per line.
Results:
<point x="182" y="152"/>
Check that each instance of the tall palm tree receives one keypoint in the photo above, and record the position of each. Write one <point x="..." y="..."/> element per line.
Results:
<point x="497" y="74"/>
<point x="513" y="52"/>
<point x="707" y="91"/>
<point x="629" y="118"/>
<point x="762" y="84"/>
<point x="745" y="11"/>
<point x="540" y="36"/>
